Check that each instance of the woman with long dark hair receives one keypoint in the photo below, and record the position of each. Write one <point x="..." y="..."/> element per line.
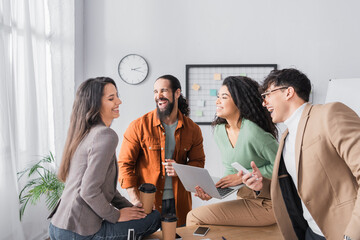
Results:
<point x="90" y="206"/>
<point x="244" y="132"/>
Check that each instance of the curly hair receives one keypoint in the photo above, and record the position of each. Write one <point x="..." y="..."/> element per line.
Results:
<point x="246" y="96"/>
<point x="175" y="84"/>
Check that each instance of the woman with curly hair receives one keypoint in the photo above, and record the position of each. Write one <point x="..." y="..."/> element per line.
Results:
<point x="244" y="132"/>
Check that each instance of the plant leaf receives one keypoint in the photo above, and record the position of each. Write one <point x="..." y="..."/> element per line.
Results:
<point x="46" y="184"/>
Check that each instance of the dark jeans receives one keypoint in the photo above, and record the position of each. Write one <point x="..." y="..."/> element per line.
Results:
<point x="310" y="235"/>
<point x="117" y="231"/>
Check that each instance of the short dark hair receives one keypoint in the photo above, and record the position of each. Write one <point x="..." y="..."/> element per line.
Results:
<point x="175" y="85"/>
<point x="246" y="96"/>
<point x="289" y="77"/>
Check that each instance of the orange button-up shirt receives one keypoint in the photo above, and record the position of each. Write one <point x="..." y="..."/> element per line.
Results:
<point x="143" y="151"/>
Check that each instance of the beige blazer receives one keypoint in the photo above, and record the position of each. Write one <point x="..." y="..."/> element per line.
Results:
<point x="90" y="195"/>
<point x="327" y="154"/>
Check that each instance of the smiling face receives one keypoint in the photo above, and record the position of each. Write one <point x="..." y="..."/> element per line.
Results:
<point x="225" y="106"/>
<point x="277" y="103"/>
<point x="164" y="98"/>
<point x="109" y="104"/>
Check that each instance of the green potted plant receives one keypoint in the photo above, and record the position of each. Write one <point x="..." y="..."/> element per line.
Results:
<point x="42" y="181"/>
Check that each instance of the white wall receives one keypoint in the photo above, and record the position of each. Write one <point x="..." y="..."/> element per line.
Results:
<point x="321" y="38"/>
<point x="79" y="42"/>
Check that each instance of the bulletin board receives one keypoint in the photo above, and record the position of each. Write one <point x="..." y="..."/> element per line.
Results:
<point x="203" y="82"/>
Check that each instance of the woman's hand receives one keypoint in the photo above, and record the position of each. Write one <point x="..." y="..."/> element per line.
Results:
<point x="253" y="180"/>
<point x="131" y="213"/>
<point x="201" y="194"/>
<point x="230" y="180"/>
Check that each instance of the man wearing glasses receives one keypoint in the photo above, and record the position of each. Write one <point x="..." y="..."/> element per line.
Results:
<point x="316" y="176"/>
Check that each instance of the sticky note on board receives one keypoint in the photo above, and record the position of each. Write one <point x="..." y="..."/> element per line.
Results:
<point x="199" y="113"/>
<point x="213" y="92"/>
<point x="200" y="103"/>
<point x="243" y="74"/>
<point x="195" y="86"/>
<point x="217" y="76"/>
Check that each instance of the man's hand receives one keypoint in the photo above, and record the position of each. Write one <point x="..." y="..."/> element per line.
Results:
<point x="253" y="180"/>
<point x="170" y="171"/>
<point x="201" y="194"/>
<point x="131" y="213"/>
<point x="230" y="180"/>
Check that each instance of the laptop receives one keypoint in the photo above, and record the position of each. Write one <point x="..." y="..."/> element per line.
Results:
<point x="194" y="176"/>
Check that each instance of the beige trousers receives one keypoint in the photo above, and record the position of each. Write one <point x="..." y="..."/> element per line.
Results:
<point x="240" y="212"/>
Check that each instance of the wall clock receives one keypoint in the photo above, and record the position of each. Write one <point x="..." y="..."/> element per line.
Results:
<point x="133" y="69"/>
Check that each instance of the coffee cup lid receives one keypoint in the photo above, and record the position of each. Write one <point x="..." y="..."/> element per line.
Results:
<point x="169" y="217"/>
<point x="147" y="188"/>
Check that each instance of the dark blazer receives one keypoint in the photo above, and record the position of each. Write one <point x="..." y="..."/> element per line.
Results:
<point x="90" y="195"/>
<point x="327" y="154"/>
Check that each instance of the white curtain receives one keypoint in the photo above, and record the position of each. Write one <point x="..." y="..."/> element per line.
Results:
<point x="36" y="95"/>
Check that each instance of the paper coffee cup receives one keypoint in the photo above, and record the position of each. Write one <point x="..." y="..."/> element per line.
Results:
<point x="147" y="196"/>
<point x="168" y="226"/>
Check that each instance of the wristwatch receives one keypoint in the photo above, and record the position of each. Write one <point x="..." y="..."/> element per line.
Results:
<point x="346" y="237"/>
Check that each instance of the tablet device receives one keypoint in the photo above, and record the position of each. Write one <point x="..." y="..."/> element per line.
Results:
<point x="191" y="177"/>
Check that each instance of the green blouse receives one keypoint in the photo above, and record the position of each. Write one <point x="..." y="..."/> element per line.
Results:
<point x="253" y="144"/>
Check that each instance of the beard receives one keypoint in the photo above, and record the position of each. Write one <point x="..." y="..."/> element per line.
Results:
<point x="167" y="111"/>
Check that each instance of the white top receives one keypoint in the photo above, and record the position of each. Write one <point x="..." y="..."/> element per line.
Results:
<point x="289" y="159"/>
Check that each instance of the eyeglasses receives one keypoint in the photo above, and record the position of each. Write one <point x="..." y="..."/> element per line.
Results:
<point x="263" y="95"/>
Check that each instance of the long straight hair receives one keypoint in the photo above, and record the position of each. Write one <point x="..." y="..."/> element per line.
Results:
<point x="85" y="114"/>
<point x="246" y="95"/>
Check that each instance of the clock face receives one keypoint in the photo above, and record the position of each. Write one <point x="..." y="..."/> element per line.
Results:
<point x="133" y="69"/>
